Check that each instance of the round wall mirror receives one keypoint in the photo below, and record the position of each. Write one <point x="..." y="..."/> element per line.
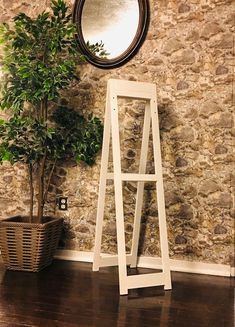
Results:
<point x="110" y="32"/>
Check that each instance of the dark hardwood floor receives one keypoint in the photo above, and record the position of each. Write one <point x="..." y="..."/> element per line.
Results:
<point x="70" y="294"/>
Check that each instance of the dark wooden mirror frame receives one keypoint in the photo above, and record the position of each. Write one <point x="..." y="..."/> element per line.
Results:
<point x="128" y="53"/>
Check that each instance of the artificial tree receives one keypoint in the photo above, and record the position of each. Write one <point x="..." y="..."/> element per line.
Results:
<point x="40" y="58"/>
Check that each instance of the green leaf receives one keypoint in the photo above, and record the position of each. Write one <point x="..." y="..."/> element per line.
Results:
<point x="7" y="156"/>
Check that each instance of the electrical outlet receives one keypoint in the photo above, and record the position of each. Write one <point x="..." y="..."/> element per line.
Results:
<point x="62" y="203"/>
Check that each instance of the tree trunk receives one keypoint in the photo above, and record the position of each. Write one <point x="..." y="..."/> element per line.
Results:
<point x="44" y="109"/>
<point x="49" y="181"/>
<point x="31" y="190"/>
<point x="41" y="202"/>
<point x="41" y="168"/>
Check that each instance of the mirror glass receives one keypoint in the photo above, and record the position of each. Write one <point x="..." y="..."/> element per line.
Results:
<point x="114" y="23"/>
<point x="119" y="25"/>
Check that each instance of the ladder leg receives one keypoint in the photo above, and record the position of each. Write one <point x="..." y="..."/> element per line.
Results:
<point x="102" y="187"/>
<point x="122" y="269"/>
<point x="140" y="186"/>
<point x="160" y="195"/>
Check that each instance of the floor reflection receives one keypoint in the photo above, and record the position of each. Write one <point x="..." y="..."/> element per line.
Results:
<point x="133" y="309"/>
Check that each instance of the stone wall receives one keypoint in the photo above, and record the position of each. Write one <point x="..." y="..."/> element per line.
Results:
<point x="189" y="55"/>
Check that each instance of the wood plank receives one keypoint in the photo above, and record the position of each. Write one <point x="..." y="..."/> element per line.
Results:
<point x="112" y="260"/>
<point x="102" y="185"/>
<point x="132" y="89"/>
<point x="140" y="185"/>
<point x="118" y="194"/>
<point x="135" y="177"/>
<point x="146" y="280"/>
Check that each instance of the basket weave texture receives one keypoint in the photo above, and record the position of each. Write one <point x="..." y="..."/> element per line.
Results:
<point x="29" y="246"/>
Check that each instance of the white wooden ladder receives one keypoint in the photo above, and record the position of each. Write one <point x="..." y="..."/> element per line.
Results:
<point x="147" y="92"/>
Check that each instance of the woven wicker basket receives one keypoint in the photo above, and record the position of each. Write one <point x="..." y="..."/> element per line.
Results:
<point x="29" y="247"/>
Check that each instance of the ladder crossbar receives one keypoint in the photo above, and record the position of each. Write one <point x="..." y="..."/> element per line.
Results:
<point x="134" y="177"/>
<point x="112" y="260"/>
<point x="131" y="89"/>
<point x="146" y="280"/>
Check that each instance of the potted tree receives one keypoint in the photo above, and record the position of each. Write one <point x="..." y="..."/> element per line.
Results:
<point x="40" y="57"/>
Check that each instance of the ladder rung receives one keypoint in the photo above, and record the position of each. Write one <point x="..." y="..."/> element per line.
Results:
<point x="135" y="177"/>
<point x="112" y="260"/>
<point x="146" y="280"/>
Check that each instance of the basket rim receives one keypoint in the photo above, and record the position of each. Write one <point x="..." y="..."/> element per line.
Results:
<point x="10" y="222"/>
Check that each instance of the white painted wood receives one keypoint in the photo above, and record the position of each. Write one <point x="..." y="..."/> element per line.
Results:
<point x="140" y="185"/>
<point x="186" y="266"/>
<point x="102" y="185"/>
<point x="183" y="266"/>
<point x="71" y="255"/>
<point x="121" y="243"/>
<point x="112" y="260"/>
<point x="135" y="177"/>
<point x="146" y="91"/>
<point x="160" y="192"/>
<point x="135" y="90"/>
<point x="145" y="280"/>
<point x="232" y="271"/>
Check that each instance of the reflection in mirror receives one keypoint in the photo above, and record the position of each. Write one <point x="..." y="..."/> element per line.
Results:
<point x="109" y="32"/>
<point x="114" y="23"/>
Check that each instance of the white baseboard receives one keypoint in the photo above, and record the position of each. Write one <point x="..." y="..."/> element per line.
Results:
<point x="187" y="266"/>
<point x="232" y="271"/>
<point x="155" y="263"/>
<point x="74" y="255"/>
